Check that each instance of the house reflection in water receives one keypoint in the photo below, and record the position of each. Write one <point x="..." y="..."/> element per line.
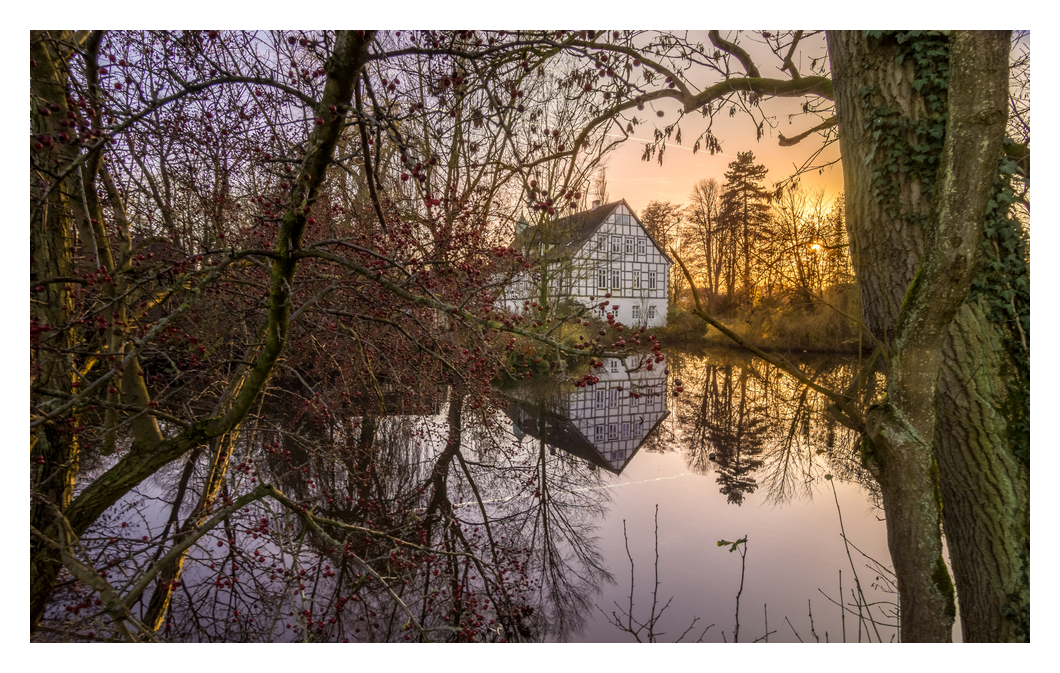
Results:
<point x="604" y="424"/>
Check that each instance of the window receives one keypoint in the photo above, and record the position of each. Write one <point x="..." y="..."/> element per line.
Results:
<point x="614" y="309"/>
<point x="601" y="398"/>
<point x="616" y="279"/>
<point x="598" y="433"/>
<point x="612" y="397"/>
<point x="642" y="245"/>
<point x="629" y="246"/>
<point x="622" y="218"/>
<point x="636" y="312"/>
<point x="601" y="313"/>
<point x="651" y="312"/>
<point x="652" y="282"/>
<point x="625" y="430"/>
<point x="636" y="280"/>
<point x="614" y="365"/>
<point x="612" y="431"/>
<point x="601" y="279"/>
<point x="638" y="428"/>
<point x="616" y="245"/>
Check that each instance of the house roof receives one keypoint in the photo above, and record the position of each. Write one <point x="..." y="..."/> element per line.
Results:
<point x="568" y="234"/>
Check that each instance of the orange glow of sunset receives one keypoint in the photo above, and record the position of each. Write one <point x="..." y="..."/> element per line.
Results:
<point x="639" y="182"/>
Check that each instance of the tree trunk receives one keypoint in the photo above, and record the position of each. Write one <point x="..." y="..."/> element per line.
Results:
<point x="906" y="225"/>
<point x="159" y="603"/>
<point x="985" y="488"/>
<point x="54" y="446"/>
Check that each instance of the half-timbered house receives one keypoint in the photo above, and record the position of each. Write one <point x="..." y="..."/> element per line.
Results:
<point x="599" y="255"/>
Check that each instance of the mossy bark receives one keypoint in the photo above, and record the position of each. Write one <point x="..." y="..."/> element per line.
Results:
<point x="942" y="432"/>
<point x="985" y="487"/>
<point x="54" y="447"/>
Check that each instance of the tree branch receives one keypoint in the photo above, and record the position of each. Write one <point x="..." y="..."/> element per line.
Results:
<point x="826" y="124"/>
<point x="785" y="88"/>
<point x="736" y="50"/>
<point x="842" y="402"/>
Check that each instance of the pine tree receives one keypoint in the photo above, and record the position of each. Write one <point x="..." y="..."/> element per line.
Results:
<point x="745" y="207"/>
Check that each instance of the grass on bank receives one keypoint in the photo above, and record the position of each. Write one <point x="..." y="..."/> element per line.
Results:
<point x="776" y="324"/>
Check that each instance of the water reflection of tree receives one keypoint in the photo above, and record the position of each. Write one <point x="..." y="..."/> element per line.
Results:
<point x="728" y="430"/>
<point x="754" y="426"/>
<point x="381" y="527"/>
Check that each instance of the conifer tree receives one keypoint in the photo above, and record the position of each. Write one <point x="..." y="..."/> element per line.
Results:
<point x="745" y="207"/>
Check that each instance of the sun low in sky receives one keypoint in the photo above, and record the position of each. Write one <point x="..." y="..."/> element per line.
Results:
<point x="639" y="181"/>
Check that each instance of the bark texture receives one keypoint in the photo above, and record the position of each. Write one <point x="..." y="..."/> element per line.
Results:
<point x="915" y="239"/>
<point x="52" y="238"/>
<point x="985" y="488"/>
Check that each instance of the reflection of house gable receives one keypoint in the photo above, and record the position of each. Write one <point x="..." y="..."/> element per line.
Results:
<point x="603" y="424"/>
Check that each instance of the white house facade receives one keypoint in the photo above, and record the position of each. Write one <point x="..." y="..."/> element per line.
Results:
<point x="598" y="252"/>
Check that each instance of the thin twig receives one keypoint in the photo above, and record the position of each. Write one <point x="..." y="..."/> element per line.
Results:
<point x="857" y="581"/>
<point x="793" y="629"/>
<point x="809" y="607"/>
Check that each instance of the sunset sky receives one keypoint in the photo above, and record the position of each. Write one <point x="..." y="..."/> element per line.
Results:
<point x="639" y="181"/>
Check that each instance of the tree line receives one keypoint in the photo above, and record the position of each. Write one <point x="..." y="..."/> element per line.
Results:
<point x="743" y="242"/>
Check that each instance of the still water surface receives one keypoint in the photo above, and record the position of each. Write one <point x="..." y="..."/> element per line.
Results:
<point x="740" y="452"/>
<point x="530" y="516"/>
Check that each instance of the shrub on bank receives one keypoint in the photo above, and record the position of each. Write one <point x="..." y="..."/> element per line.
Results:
<point x="776" y="324"/>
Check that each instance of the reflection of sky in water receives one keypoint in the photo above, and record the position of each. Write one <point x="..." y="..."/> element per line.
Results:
<point x="794" y="549"/>
<point x="763" y="429"/>
<point x="627" y="444"/>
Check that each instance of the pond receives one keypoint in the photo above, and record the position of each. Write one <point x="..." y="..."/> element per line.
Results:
<point x="741" y="452"/>
<point x="705" y="499"/>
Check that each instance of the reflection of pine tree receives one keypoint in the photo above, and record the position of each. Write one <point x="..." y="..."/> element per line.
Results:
<point x="757" y="428"/>
<point x="739" y="439"/>
<point x="732" y="427"/>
